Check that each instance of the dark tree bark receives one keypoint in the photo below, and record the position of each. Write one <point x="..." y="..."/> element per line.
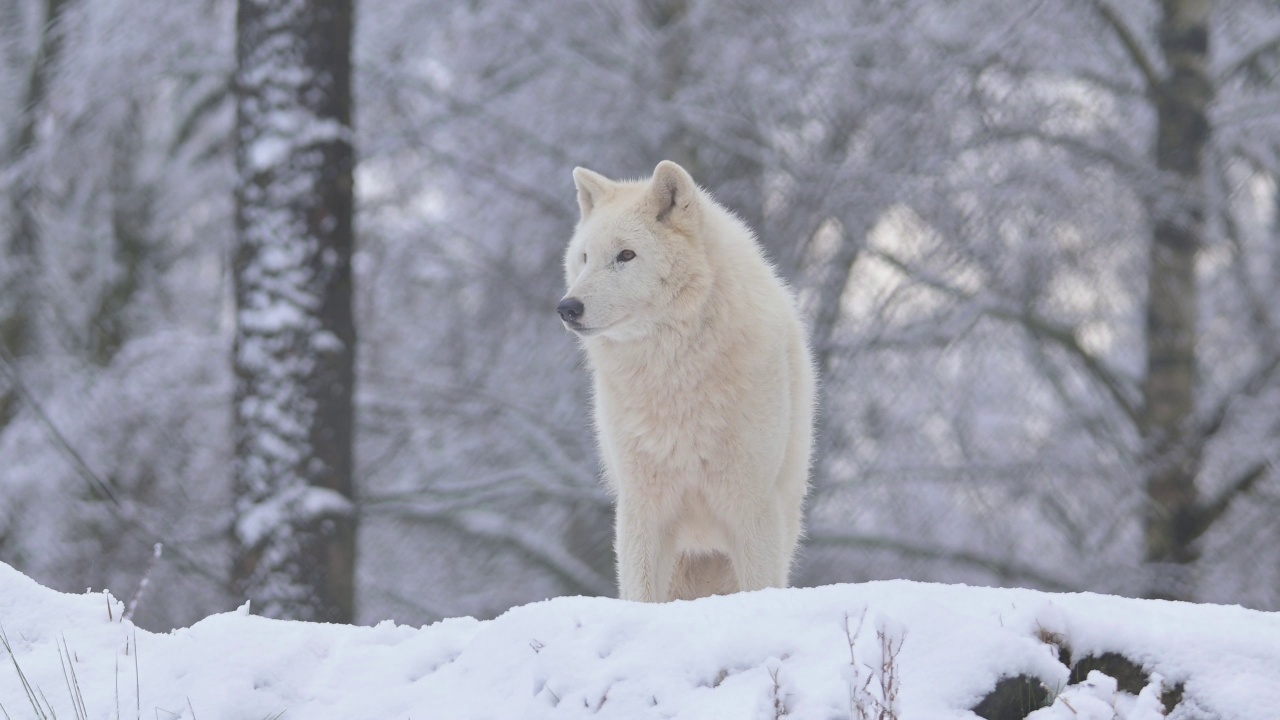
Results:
<point x="131" y="203"/>
<point x="294" y="534"/>
<point x="1171" y="447"/>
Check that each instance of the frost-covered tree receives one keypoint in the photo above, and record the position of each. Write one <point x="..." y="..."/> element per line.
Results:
<point x="961" y="204"/>
<point x="19" y="276"/>
<point x="964" y="195"/>
<point x="1092" y="275"/>
<point x="295" y="341"/>
<point x="122" y="406"/>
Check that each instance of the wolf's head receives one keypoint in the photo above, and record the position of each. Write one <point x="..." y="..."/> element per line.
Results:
<point x="638" y="257"/>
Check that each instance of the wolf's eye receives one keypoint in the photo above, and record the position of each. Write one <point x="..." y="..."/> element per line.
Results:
<point x="626" y="256"/>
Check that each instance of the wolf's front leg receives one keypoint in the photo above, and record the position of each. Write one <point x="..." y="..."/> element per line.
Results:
<point x="646" y="554"/>
<point x="758" y="557"/>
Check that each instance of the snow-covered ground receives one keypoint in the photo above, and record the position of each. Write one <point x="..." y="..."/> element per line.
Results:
<point x="768" y="654"/>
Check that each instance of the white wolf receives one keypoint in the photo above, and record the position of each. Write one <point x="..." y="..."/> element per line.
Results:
<point x="703" y="386"/>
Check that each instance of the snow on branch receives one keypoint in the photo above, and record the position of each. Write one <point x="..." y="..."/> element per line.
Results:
<point x="295" y="506"/>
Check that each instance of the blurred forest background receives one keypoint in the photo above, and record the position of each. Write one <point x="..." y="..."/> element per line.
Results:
<point x="1036" y="242"/>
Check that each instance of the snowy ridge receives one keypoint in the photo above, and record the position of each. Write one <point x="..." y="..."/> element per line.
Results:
<point x="770" y="654"/>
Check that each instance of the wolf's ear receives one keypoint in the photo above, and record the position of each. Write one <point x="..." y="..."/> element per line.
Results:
<point x="592" y="188"/>
<point x="673" y="196"/>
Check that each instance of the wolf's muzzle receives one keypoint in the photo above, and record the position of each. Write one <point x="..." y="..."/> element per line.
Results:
<point x="570" y="310"/>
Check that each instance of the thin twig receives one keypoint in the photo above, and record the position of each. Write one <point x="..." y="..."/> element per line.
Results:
<point x="86" y="473"/>
<point x="1211" y="512"/>
<point x="72" y="682"/>
<point x="96" y="483"/>
<point x="1130" y="43"/>
<point x="143" y="584"/>
<point x="1063" y="336"/>
<point x="137" y="677"/>
<point x="32" y="697"/>
<point x="964" y="557"/>
<point x="1248" y="57"/>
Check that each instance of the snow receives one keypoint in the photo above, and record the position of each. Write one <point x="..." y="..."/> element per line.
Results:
<point x="298" y="504"/>
<point x="751" y="655"/>
<point x="288" y="131"/>
<point x="1097" y="697"/>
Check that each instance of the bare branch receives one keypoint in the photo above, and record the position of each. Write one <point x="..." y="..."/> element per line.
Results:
<point x="1061" y="335"/>
<point x="464" y="109"/>
<point x="1249" y="387"/>
<point x="1209" y="513"/>
<point x="1130" y="42"/>
<point x="1097" y="424"/>
<point x="1263" y="326"/>
<point x="1118" y="162"/>
<point x="534" y="543"/>
<point x="490" y="172"/>
<point x="1260" y="309"/>
<point x="97" y="485"/>
<point x="1002" y="568"/>
<point x="1234" y="65"/>
<point x="515" y="485"/>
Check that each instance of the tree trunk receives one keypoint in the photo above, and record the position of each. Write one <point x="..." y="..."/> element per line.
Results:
<point x="667" y="19"/>
<point x="294" y="534"/>
<point x="131" y="214"/>
<point x="829" y="291"/>
<point x="1171" y="451"/>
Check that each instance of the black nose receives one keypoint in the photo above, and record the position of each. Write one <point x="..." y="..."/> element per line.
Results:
<point x="570" y="309"/>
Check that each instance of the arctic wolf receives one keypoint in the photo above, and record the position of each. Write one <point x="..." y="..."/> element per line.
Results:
<point x="703" y="386"/>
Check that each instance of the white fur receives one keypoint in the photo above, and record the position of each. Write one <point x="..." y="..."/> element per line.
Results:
<point x="703" y="387"/>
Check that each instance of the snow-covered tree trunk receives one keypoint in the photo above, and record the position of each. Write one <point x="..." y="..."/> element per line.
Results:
<point x="1171" y="446"/>
<point x="294" y="528"/>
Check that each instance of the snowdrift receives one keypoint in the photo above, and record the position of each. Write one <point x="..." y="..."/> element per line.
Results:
<point x="914" y="650"/>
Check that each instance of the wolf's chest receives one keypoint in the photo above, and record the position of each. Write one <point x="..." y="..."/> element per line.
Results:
<point x="668" y="424"/>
